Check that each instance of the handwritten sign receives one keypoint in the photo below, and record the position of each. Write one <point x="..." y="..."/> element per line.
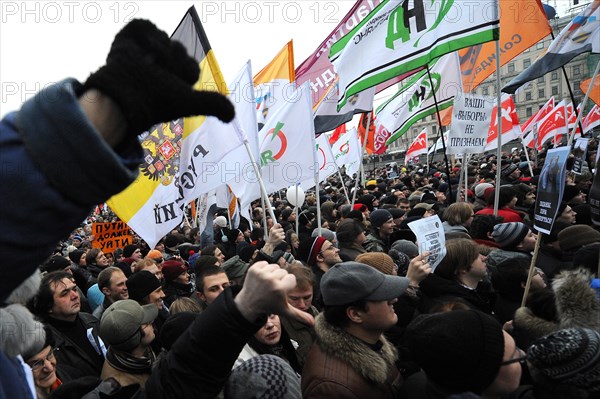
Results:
<point x="470" y="125"/>
<point x="110" y="236"/>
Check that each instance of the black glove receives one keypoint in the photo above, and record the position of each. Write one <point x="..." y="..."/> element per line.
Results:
<point x="150" y="77"/>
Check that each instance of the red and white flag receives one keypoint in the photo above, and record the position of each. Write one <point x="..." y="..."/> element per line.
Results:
<point x="592" y="119"/>
<point x="554" y="124"/>
<point x="417" y="147"/>
<point x="511" y="129"/>
<point x="527" y="127"/>
<point x="572" y="118"/>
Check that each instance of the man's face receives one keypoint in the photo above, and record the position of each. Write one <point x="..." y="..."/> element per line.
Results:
<point x="156" y="297"/>
<point x="118" y="287"/>
<point x="387" y="228"/>
<point x="329" y="254"/>
<point x="213" y="286"/>
<point x="528" y="243"/>
<point x="270" y="333"/>
<point x="137" y="254"/>
<point x="440" y="196"/>
<point x="568" y="215"/>
<point x="529" y="198"/>
<point x="404" y="206"/>
<point x="219" y="255"/>
<point x="509" y="375"/>
<point x="102" y="260"/>
<point x="149" y="334"/>
<point x="66" y="300"/>
<point x="380" y="316"/>
<point x="300" y="299"/>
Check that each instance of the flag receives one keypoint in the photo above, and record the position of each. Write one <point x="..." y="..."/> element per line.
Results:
<point x="178" y="155"/>
<point x="572" y="118"/>
<point x="595" y="92"/>
<point x="415" y="100"/>
<point x="394" y="39"/>
<point x="592" y="119"/>
<point x="340" y="130"/>
<point x="226" y="199"/>
<point x="347" y="152"/>
<point x="325" y="162"/>
<point x="529" y="136"/>
<point x="511" y="130"/>
<point x="362" y="126"/>
<point x="581" y="35"/>
<point x="523" y="24"/>
<point x="380" y="138"/>
<point x="327" y="117"/>
<point x="417" y="147"/>
<point x="552" y="125"/>
<point x="274" y="84"/>
<point x="438" y="144"/>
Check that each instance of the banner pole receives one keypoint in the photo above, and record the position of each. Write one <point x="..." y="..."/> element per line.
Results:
<point x="439" y="118"/>
<point x="536" y="250"/>
<point x="362" y="154"/>
<point x="499" y="115"/>
<point x="580" y="114"/>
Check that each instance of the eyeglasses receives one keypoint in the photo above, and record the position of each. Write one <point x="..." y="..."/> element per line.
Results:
<point x="38" y="364"/>
<point x="331" y="248"/>
<point x="521" y="359"/>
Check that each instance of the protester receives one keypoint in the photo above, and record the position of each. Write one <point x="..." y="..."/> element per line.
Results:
<point x="113" y="285"/>
<point x="515" y="240"/>
<point x="43" y="366"/>
<point x="382" y="226"/>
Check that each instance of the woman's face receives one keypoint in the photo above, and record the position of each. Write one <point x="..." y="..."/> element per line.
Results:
<point x="43" y="366"/>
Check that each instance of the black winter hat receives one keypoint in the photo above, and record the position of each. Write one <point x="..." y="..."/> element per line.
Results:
<point x="56" y="262"/>
<point x="141" y="284"/>
<point x="75" y="256"/>
<point x="459" y="350"/>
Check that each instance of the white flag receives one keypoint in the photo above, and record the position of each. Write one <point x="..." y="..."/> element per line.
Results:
<point x="347" y="151"/>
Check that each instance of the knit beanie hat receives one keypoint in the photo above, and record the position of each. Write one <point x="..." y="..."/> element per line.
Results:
<point x="246" y="252"/>
<point x="459" y="350"/>
<point x="172" y="269"/>
<point x="129" y="250"/>
<point x="328" y="234"/>
<point x="509" y="235"/>
<point x="379" y="260"/>
<point x="56" y="262"/>
<point x="154" y="254"/>
<point x="508" y="169"/>
<point x="141" y="284"/>
<point x="347" y="231"/>
<point x="220" y="221"/>
<point x="263" y="376"/>
<point x="480" y="189"/>
<point x="231" y="234"/>
<point x="75" y="256"/>
<point x="407" y="247"/>
<point x="574" y="237"/>
<point x="315" y="248"/>
<point x="568" y="357"/>
<point x="379" y="217"/>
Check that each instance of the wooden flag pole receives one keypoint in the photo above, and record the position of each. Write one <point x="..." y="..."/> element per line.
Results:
<point x="536" y="250"/>
<point x="439" y="118"/>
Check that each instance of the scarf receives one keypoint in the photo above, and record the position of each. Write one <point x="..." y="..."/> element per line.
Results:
<point x="125" y="362"/>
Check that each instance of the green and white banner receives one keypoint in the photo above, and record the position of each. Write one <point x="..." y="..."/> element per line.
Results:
<point x="400" y="36"/>
<point x="415" y="100"/>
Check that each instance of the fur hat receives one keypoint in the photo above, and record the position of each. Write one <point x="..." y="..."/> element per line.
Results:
<point x="575" y="237"/>
<point x="263" y="376"/>
<point x="459" y="350"/>
<point x="509" y="235"/>
<point x="379" y="260"/>
<point x="379" y="217"/>
<point x="568" y="357"/>
<point x="141" y="284"/>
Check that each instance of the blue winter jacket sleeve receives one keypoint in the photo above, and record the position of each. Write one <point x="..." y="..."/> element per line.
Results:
<point x="54" y="166"/>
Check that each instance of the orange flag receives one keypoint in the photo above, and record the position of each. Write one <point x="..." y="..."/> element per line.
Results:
<point x="523" y="23"/>
<point x="362" y="126"/>
<point x="595" y="92"/>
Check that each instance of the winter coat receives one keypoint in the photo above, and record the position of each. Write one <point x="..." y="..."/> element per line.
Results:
<point x="350" y="253"/>
<point x="64" y="164"/>
<point x="73" y="362"/>
<point x="301" y="333"/>
<point x="340" y="365"/>
<point x="553" y="261"/>
<point x="498" y="256"/>
<point x="454" y="229"/>
<point x="509" y="215"/>
<point x="375" y="243"/>
<point x="175" y="290"/>
<point x="577" y="305"/>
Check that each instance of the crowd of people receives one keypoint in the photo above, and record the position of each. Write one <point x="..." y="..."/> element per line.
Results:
<point x="345" y="306"/>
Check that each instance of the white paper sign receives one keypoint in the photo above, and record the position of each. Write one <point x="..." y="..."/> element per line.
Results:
<point x="470" y="124"/>
<point x="430" y="238"/>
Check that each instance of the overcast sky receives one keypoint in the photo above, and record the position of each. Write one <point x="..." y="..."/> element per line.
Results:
<point x="45" y="41"/>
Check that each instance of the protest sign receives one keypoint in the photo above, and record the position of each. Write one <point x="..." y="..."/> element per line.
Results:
<point x="470" y="124"/>
<point x="111" y="235"/>
<point x="579" y="152"/>
<point x="430" y="238"/>
<point x="551" y="187"/>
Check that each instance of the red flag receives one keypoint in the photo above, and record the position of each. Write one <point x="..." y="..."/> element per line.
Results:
<point x="554" y="124"/>
<point x="417" y="147"/>
<point x="527" y="127"/>
<point x="592" y="119"/>
<point x="380" y="138"/>
<point x="510" y="123"/>
<point x="337" y="133"/>
<point x="572" y="117"/>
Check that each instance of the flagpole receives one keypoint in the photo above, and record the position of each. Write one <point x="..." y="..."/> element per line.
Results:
<point x="466" y="177"/>
<point x="585" y="99"/>
<point x="296" y="210"/>
<point x="499" y="116"/>
<point x="439" y="118"/>
<point x="342" y="180"/>
<point x="564" y="70"/>
<point x="527" y="156"/>
<point x="318" y="201"/>
<point x="362" y="154"/>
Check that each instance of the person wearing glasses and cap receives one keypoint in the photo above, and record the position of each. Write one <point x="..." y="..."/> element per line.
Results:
<point x="43" y="367"/>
